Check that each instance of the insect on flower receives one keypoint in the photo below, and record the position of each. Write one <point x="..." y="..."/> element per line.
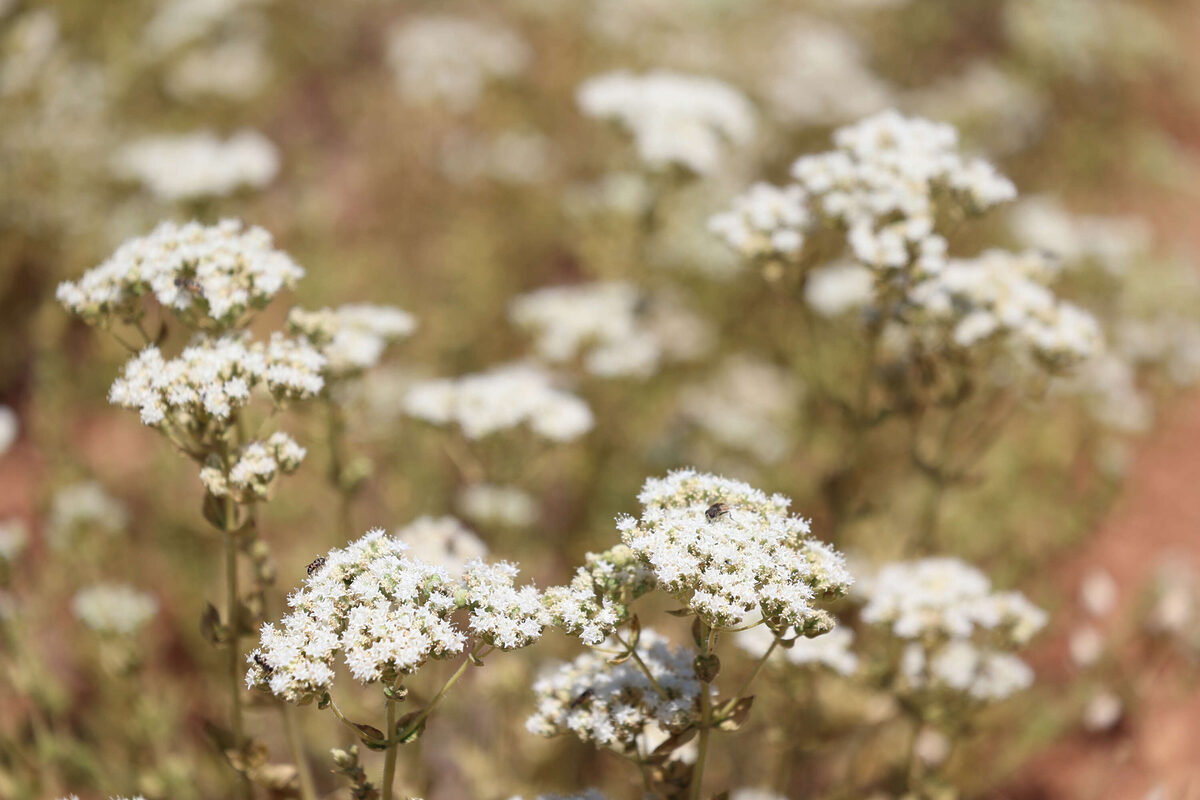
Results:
<point x="190" y="284"/>
<point x="581" y="698"/>
<point x="317" y="563"/>
<point x="716" y="510"/>
<point x="262" y="662"/>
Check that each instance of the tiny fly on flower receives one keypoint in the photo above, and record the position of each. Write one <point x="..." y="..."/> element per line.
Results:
<point x="190" y="284"/>
<point x="262" y="662"/>
<point x="584" y="696"/>
<point x="716" y="510"/>
<point x="317" y="563"/>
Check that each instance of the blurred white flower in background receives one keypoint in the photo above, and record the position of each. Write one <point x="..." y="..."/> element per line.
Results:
<point x="512" y="156"/>
<point x="236" y="68"/>
<point x="1111" y="242"/>
<point x="746" y="404"/>
<point x="503" y="397"/>
<point x="83" y="507"/>
<point x="1103" y="711"/>
<point x="9" y="428"/>
<point x="675" y="120"/>
<point x="616" y="328"/>
<point x="819" y="76"/>
<point x="488" y="504"/>
<point x="14" y="538"/>
<point x="451" y="60"/>
<point x="443" y="541"/>
<point x="199" y="164"/>
<point x="113" y="609"/>
<point x="840" y="287"/>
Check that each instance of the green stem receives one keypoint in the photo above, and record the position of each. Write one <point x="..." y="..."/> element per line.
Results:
<point x="389" y="759"/>
<point x="705" y="725"/>
<point x="234" y="656"/>
<point x="733" y="701"/>
<point x="336" y="427"/>
<point x="437" y="698"/>
<point x="645" y="669"/>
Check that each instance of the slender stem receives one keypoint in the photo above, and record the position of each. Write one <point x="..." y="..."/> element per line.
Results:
<point x="308" y="790"/>
<point x="437" y="698"/>
<point x="733" y="701"/>
<point x="702" y="745"/>
<point x="705" y="725"/>
<point x="389" y="759"/>
<point x="645" y="669"/>
<point x="337" y="466"/>
<point x="234" y="655"/>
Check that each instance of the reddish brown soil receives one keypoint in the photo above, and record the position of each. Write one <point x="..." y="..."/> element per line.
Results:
<point x="1158" y="744"/>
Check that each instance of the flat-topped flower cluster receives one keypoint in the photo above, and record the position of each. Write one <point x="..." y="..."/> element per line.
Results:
<point x="732" y="552"/>
<point x="212" y="378"/>
<point x="890" y="187"/>
<point x="212" y="277"/>
<point x="387" y="614"/>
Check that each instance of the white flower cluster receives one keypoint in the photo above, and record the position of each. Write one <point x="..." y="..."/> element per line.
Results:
<point x="819" y="76"/>
<point x="675" y="120"/>
<point x="1005" y="294"/>
<point x="884" y="184"/>
<point x="613" y="705"/>
<point x="83" y="507"/>
<point x="766" y="221"/>
<point x="959" y="628"/>
<point x="504" y="397"/>
<point x="618" y="330"/>
<point x="745" y="404"/>
<point x="198" y="164"/>
<point x="211" y="276"/>
<point x="730" y="552"/>
<point x="597" y="599"/>
<point x="352" y="337"/>
<point x="113" y="609"/>
<point x="945" y="597"/>
<point x="832" y="650"/>
<point x="199" y="390"/>
<point x="451" y="59"/>
<point x="252" y="476"/>
<point x="444" y="541"/>
<point x="488" y="504"/>
<point x="883" y="181"/>
<point x="387" y="614"/>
